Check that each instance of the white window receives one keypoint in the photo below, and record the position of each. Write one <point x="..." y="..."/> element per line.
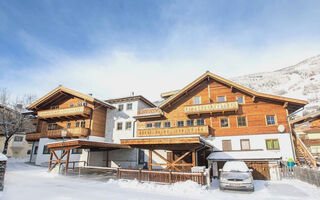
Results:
<point x="128" y="125"/>
<point x="119" y="126"/>
<point x="221" y="99"/>
<point x="129" y="106"/>
<point x="120" y="107"/>
<point x="196" y="100"/>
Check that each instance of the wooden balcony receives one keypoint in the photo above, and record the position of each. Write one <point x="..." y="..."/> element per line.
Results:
<point x="65" y="113"/>
<point x="186" y="130"/>
<point x="71" y="133"/>
<point x="211" y="108"/>
<point x="30" y="137"/>
<point x="149" y="113"/>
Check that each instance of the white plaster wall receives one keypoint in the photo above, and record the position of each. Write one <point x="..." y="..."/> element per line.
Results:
<point x="97" y="158"/>
<point x="257" y="142"/>
<point x="125" y="158"/>
<point x="33" y="156"/>
<point x="43" y="159"/>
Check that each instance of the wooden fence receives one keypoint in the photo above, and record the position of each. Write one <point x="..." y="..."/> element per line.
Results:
<point x="311" y="176"/>
<point x="160" y="176"/>
<point x="167" y="177"/>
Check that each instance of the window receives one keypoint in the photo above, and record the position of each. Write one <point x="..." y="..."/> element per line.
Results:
<point x="245" y="144"/>
<point x="79" y="103"/>
<point x="52" y="126"/>
<point x="71" y="105"/>
<point x="196" y="100"/>
<point x="85" y="104"/>
<point x="271" y="120"/>
<point x="221" y="99"/>
<point x="200" y="122"/>
<point x="226" y="145"/>
<point x="180" y="123"/>
<point x="76" y="151"/>
<point x="128" y="125"/>
<point x="18" y="138"/>
<point x="45" y="150"/>
<point x="120" y="107"/>
<point x="149" y="125"/>
<point x="141" y="157"/>
<point x="224" y="122"/>
<point x="69" y="125"/>
<point x="29" y="152"/>
<point x="77" y="124"/>
<point x="83" y="124"/>
<point x="240" y="100"/>
<point x="119" y="126"/>
<point x="157" y="124"/>
<point x="167" y="124"/>
<point x="35" y="150"/>
<point x="190" y="122"/>
<point x="242" y="121"/>
<point x="129" y="106"/>
<point x="272" y="144"/>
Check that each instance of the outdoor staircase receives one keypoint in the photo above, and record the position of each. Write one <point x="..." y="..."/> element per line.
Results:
<point x="303" y="155"/>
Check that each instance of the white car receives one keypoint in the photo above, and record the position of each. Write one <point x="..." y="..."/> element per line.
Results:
<point x="235" y="175"/>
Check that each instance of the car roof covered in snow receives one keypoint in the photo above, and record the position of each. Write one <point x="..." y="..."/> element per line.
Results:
<point x="235" y="166"/>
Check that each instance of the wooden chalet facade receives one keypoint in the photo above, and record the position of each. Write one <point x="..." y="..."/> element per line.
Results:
<point x="211" y="108"/>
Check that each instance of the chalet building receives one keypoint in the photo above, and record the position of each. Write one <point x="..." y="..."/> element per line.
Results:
<point x="213" y="120"/>
<point x="308" y="130"/>
<point x="84" y="130"/>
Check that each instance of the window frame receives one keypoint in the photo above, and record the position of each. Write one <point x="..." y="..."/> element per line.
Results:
<point x="127" y="108"/>
<point x="241" y="140"/>
<point x="225" y="99"/>
<point x="20" y="138"/>
<point x="76" y="151"/>
<point x="157" y="123"/>
<point x="35" y="150"/>
<point x="272" y="139"/>
<point x="244" y="101"/>
<point x="119" y="129"/>
<point x="149" y="126"/>
<point x="246" y="120"/>
<point x="122" y="107"/>
<point x="126" y="125"/>
<point x="83" y="124"/>
<point x="204" y="122"/>
<point x="222" y="142"/>
<point x="45" y="150"/>
<point x="69" y="124"/>
<point x="275" y="120"/>
<point x="190" y="120"/>
<point x="181" y="121"/>
<point x="165" y="124"/>
<point x="221" y="124"/>
<point x="194" y="98"/>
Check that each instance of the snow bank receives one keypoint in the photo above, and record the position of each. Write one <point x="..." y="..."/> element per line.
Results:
<point x="3" y="157"/>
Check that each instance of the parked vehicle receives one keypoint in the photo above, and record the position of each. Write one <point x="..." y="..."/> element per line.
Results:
<point x="235" y="175"/>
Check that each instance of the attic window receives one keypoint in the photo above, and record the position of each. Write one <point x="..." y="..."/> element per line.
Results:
<point x="196" y="100"/>
<point x="221" y="99"/>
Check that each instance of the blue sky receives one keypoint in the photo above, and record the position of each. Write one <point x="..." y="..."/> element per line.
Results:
<point x="111" y="48"/>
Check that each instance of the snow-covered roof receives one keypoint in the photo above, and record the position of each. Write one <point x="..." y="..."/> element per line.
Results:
<point x="3" y="157"/>
<point x="235" y="166"/>
<point x="244" y="155"/>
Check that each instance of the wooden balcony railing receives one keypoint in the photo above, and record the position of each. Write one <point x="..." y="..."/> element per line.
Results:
<point x="186" y="130"/>
<point x="30" y="137"/>
<point x="211" y="108"/>
<point x="149" y="112"/>
<point x="83" y="111"/>
<point x="71" y="133"/>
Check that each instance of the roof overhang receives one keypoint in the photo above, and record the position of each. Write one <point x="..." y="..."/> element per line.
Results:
<point x="253" y="155"/>
<point x="85" y="144"/>
<point x="173" y="143"/>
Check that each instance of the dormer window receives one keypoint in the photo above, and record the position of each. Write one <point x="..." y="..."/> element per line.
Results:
<point x="196" y="100"/>
<point x="221" y="98"/>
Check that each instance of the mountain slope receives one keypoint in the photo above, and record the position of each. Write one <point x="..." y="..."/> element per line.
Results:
<point x="300" y="81"/>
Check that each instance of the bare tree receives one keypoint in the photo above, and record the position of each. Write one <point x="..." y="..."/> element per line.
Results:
<point x="12" y="119"/>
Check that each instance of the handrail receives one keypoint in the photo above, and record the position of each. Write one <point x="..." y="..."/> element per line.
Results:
<point x="305" y="149"/>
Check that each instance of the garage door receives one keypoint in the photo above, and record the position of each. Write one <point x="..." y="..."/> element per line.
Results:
<point x="261" y="170"/>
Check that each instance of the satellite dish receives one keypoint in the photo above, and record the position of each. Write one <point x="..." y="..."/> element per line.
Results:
<point x="281" y="128"/>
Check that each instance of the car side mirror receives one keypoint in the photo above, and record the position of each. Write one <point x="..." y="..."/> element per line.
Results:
<point x="250" y="170"/>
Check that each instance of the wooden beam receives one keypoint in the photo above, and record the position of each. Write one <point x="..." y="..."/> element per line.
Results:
<point x="193" y="158"/>
<point x="285" y="105"/>
<point x="67" y="162"/>
<point x="150" y="159"/>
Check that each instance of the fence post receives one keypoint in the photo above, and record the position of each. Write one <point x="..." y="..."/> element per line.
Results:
<point x="170" y="176"/>
<point x="202" y="178"/>
<point x="118" y="173"/>
<point x="139" y="175"/>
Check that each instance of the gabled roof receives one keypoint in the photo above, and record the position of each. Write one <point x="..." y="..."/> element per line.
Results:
<point x="131" y="98"/>
<point x="207" y="75"/>
<point x="62" y="89"/>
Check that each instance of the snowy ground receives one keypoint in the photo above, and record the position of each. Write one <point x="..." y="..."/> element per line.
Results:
<point x="24" y="181"/>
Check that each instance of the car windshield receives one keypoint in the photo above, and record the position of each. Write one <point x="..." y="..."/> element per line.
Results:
<point x="235" y="175"/>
